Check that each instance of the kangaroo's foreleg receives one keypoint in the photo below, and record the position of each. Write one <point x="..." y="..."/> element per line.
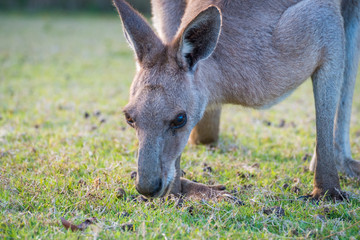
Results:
<point x="207" y="130"/>
<point x="187" y="188"/>
<point x="176" y="185"/>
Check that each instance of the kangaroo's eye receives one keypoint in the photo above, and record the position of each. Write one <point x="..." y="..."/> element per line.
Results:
<point x="129" y="120"/>
<point x="179" y="121"/>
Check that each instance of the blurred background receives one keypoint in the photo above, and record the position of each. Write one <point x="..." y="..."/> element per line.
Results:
<point x="70" y="5"/>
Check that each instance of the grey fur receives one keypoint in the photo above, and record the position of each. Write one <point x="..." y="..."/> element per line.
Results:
<point x="266" y="49"/>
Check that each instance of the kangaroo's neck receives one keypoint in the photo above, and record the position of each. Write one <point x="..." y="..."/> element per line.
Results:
<point x="207" y="79"/>
<point x="224" y="83"/>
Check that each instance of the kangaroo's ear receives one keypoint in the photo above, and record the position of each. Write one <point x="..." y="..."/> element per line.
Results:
<point x="138" y="33"/>
<point x="199" y="38"/>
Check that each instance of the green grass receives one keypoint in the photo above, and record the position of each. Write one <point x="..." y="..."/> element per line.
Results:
<point x="54" y="69"/>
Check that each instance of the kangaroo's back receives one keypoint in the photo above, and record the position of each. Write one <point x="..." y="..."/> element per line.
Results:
<point x="265" y="49"/>
<point x="170" y="16"/>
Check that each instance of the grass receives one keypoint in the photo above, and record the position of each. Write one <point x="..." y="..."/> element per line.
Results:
<point x="56" y="163"/>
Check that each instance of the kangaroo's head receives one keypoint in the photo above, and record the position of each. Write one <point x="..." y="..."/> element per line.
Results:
<point x="166" y="101"/>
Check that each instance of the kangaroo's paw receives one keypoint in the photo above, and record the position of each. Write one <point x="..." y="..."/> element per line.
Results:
<point x="199" y="191"/>
<point x="330" y="194"/>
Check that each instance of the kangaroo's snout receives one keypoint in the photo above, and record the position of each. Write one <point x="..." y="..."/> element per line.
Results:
<point x="149" y="188"/>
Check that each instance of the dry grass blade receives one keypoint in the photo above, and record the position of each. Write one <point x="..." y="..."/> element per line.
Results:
<point x="333" y="234"/>
<point x="81" y="227"/>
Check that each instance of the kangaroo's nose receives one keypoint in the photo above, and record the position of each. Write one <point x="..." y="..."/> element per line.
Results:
<point x="150" y="189"/>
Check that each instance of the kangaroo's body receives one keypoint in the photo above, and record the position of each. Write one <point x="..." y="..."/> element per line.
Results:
<point x="255" y="37"/>
<point x="248" y="52"/>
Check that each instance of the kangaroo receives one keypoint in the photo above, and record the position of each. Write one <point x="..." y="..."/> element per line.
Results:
<point x="249" y="52"/>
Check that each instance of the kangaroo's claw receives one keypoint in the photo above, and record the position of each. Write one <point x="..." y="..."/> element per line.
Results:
<point x="317" y="196"/>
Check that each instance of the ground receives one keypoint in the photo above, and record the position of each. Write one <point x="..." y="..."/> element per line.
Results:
<point x="65" y="149"/>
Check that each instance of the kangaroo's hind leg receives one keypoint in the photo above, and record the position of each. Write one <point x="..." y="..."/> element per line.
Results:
<point x="207" y="130"/>
<point x="327" y="83"/>
<point x="344" y="161"/>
